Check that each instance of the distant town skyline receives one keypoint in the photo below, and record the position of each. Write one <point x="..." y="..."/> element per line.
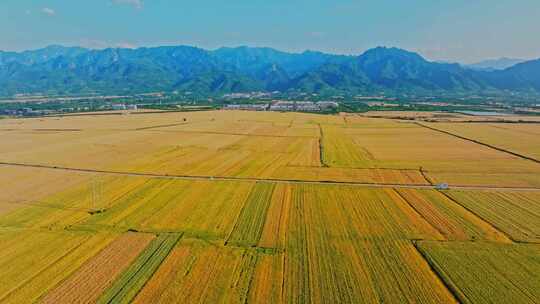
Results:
<point x="457" y="31"/>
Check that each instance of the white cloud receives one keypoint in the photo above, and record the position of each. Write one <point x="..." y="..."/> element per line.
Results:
<point x="48" y="11"/>
<point x="138" y="4"/>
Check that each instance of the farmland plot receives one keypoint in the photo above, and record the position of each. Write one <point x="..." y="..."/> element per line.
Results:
<point x="198" y="272"/>
<point x="368" y="176"/>
<point x="341" y="151"/>
<point x="92" y="279"/>
<point x="130" y="282"/>
<point x="276" y="224"/>
<point x="518" y="138"/>
<point x="450" y="218"/>
<point x="250" y="223"/>
<point x="487" y="272"/>
<point x="69" y="207"/>
<point x="515" y="213"/>
<point x="259" y="238"/>
<point x="203" y="208"/>
<point x="360" y="213"/>
<point x="31" y="263"/>
<point x="527" y="178"/>
<point x="23" y="186"/>
<point x="339" y="236"/>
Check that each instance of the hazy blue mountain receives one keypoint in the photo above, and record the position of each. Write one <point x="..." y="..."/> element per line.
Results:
<point x="392" y="69"/>
<point x="65" y="70"/>
<point x="494" y="64"/>
<point x="251" y="60"/>
<point x="520" y="77"/>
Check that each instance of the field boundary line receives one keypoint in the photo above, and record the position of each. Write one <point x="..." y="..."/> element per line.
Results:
<point x="321" y="147"/>
<point x="420" y="214"/>
<point x="229" y="235"/>
<point x="481" y="218"/>
<point x="160" y="126"/>
<point x="480" y="143"/>
<point x="423" y="173"/>
<point x="266" y="180"/>
<point x="224" y="133"/>
<point x="357" y="168"/>
<point x="457" y="294"/>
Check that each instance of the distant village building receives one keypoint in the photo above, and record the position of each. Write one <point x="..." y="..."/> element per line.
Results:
<point x="327" y="105"/>
<point x="250" y="95"/>
<point x="118" y="107"/>
<point x="307" y="106"/>
<point x="282" y="106"/>
<point x="286" y="106"/>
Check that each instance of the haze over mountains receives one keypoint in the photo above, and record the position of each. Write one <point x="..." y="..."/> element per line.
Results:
<point x="495" y="64"/>
<point x="73" y="70"/>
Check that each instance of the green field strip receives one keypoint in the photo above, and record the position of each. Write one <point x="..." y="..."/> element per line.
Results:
<point x="133" y="279"/>
<point x="485" y="272"/>
<point x="250" y="223"/>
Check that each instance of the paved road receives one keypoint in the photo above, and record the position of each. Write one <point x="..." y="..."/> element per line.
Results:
<point x="265" y="180"/>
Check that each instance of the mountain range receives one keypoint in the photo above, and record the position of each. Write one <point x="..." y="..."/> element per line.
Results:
<point x="74" y="70"/>
<point x="495" y="64"/>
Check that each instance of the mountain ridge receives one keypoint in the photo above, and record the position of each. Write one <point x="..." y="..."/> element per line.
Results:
<point x="495" y="64"/>
<point x="70" y="70"/>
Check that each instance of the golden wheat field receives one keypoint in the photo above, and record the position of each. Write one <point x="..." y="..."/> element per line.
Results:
<point x="260" y="207"/>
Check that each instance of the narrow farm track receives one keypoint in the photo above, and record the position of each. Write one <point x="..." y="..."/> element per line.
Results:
<point x="222" y="133"/>
<point x="321" y="147"/>
<point x="265" y="180"/>
<point x="480" y="143"/>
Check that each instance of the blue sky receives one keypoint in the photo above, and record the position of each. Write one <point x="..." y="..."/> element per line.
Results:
<point x="455" y="30"/>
